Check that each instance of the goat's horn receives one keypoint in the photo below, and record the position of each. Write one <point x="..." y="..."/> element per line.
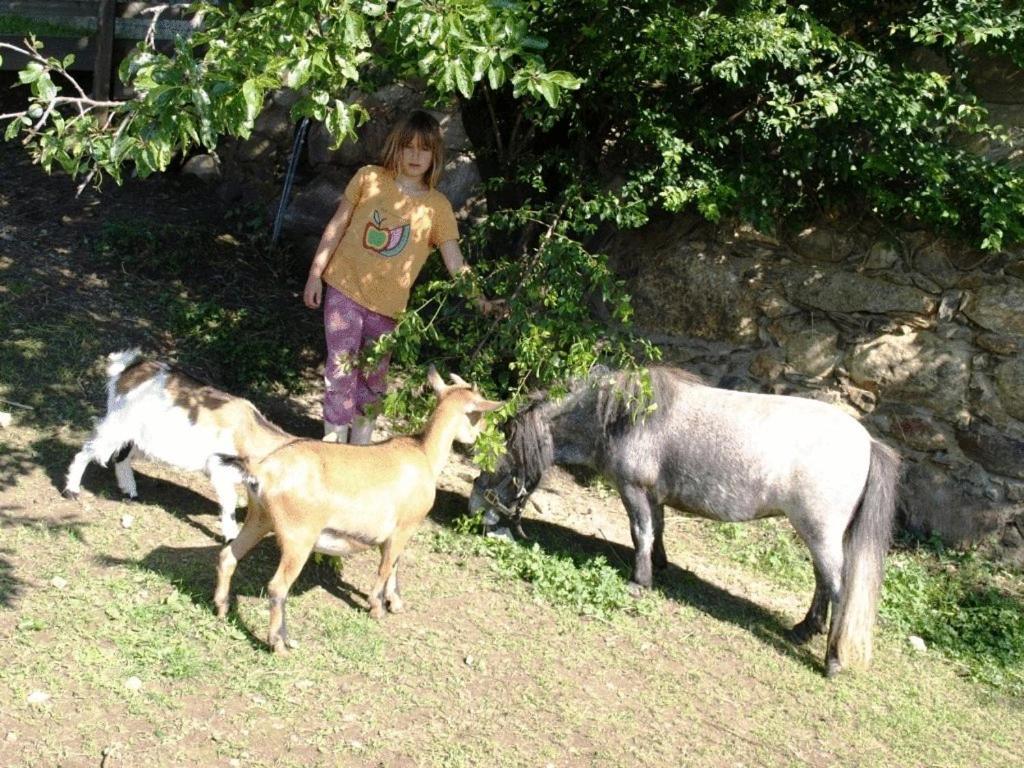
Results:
<point x="459" y="380"/>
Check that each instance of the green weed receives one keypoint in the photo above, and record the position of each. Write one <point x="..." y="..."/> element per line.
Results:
<point x="586" y="585"/>
<point x="251" y="348"/>
<point x="769" y="547"/>
<point x="147" y="248"/>
<point x="962" y="605"/>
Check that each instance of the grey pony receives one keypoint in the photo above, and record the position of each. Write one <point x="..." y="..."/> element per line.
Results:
<point x="721" y="455"/>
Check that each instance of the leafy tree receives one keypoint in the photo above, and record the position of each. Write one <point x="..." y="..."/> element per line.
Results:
<point x="586" y="116"/>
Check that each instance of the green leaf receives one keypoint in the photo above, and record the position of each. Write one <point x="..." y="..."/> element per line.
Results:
<point x="298" y="74"/>
<point x="253" y="99"/>
<point x="462" y="79"/>
<point x="496" y="76"/>
<point x="30" y="73"/>
<point x="549" y="91"/>
<point x="565" y="80"/>
<point x="534" y="43"/>
<point x="480" y="64"/>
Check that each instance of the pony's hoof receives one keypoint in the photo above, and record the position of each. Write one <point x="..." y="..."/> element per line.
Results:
<point x="802" y="633"/>
<point x="636" y="589"/>
<point x="67" y="493"/>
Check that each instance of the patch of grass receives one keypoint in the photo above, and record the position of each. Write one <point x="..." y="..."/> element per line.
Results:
<point x="147" y="248"/>
<point x="586" y="585"/>
<point x="962" y="605"/>
<point x="768" y="547"/>
<point x="251" y="347"/>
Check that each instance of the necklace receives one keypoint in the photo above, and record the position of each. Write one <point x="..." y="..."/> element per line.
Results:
<point x="409" y="188"/>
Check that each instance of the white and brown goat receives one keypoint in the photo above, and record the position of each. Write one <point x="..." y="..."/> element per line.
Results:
<point x="338" y="499"/>
<point x="166" y="415"/>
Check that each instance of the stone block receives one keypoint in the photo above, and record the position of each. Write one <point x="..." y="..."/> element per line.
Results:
<point x="919" y="367"/>
<point x="834" y="290"/>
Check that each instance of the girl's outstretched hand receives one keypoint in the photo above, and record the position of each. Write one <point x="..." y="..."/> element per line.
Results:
<point x="313" y="292"/>
<point x="496" y="308"/>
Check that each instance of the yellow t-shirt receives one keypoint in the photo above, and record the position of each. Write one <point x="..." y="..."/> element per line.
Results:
<point x="387" y="241"/>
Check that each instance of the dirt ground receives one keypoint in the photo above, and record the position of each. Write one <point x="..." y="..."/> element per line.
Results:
<point x="112" y="655"/>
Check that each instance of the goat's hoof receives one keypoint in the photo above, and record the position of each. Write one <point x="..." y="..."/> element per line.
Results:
<point x="377" y="612"/>
<point x="67" y="493"/>
<point x="127" y="498"/>
<point x="222" y="610"/>
<point x="280" y="646"/>
<point x="396" y="606"/>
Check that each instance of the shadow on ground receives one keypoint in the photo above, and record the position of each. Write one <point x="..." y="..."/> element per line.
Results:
<point x="674" y="582"/>
<point x="11" y="587"/>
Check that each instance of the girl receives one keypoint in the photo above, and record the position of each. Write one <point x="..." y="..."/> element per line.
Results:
<point x="390" y="218"/>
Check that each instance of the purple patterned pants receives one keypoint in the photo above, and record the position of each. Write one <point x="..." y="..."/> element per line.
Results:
<point x="349" y="328"/>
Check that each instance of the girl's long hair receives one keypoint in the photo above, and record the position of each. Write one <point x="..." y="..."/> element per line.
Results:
<point x="416" y="125"/>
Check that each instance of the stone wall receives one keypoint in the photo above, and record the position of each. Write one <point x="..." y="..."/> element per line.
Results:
<point x="918" y="338"/>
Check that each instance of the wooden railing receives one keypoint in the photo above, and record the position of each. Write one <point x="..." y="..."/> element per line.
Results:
<point x="96" y="32"/>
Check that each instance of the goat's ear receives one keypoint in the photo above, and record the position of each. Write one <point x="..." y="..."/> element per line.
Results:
<point x="479" y="405"/>
<point x="459" y="381"/>
<point x="436" y="381"/>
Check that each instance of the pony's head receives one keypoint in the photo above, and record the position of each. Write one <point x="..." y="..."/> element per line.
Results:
<point x="500" y="495"/>
<point x="528" y="452"/>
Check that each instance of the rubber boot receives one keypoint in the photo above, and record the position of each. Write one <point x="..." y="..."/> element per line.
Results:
<point x="335" y="434"/>
<point x="362" y="430"/>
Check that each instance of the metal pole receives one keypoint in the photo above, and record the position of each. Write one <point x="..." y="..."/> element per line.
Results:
<point x="289" y="177"/>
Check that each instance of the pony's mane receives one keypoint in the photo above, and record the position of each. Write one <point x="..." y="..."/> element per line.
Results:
<point x="528" y="442"/>
<point x="620" y="400"/>
<point x="624" y="399"/>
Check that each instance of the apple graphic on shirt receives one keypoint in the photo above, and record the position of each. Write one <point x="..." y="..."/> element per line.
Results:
<point x="387" y="241"/>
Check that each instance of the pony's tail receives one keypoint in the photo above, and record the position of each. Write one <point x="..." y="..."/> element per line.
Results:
<point x="865" y="545"/>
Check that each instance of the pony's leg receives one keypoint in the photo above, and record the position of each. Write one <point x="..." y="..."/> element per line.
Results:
<point x="815" y="622"/>
<point x="641" y="529"/>
<point x="658" y="557"/>
<point x="257" y="525"/>
<point x="827" y="554"/>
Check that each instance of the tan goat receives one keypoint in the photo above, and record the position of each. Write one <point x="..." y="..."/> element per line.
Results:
<point x="338" y="499"/>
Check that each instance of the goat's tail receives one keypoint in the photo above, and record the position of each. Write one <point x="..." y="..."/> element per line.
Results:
<point x="864" y="548"/>
<point x="117" y="362"/>
<point x="239" y="466"/>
